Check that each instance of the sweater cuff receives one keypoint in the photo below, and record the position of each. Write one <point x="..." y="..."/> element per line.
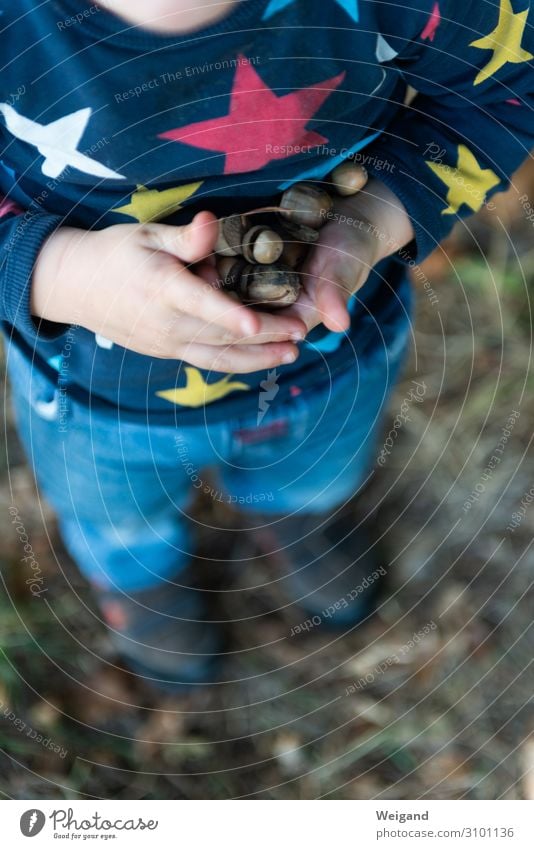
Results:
<point x="430" y="226"/>
<point x="30" y="233"/>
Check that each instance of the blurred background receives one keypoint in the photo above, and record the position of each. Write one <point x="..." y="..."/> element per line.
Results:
<point x="432" y="698"/>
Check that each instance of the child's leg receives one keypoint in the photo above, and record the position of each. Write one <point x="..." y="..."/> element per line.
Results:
<point x="120" y="492"/>
<point x="305" y="460"/>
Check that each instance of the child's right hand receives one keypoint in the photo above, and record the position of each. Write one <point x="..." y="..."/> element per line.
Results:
<point x="133" y="284"/>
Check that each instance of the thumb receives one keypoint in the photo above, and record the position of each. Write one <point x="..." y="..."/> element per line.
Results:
<point x="341" y="275"/>
<point x="329" y="285"/>
<point x="189" y="243"/>
<point x="331" y="298"/>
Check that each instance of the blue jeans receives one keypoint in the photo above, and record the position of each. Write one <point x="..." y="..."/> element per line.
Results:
<point x="122" y="489"/>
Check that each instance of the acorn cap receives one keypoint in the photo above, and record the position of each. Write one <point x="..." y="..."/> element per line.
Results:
<point x="299" y="232"/>
<point x="230" y="270"/>
<point x="307" y="204"/>
<point x="231" y="232"/>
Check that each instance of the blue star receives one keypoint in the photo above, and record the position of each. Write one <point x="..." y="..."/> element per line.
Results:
<point x="325" y="164"/>
<point x="350" y="7"/>
<point x="8" y="170"/>
<point x="55" y="362"/>
<point x="275" y="6"/>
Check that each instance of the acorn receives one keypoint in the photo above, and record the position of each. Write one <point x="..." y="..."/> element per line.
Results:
<point x="274" y="285"/>
<point x="231" y="232"/>
<point x="229" y="269"/>
<point x="261" y="244"/>
<point x="299" y="232"/>
<point x="348" y="178"/>
<point x="307" y="204"/>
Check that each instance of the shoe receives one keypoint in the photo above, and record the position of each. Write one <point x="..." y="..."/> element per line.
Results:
<point x="161" y="633"/>
<point x="332" y="571"/>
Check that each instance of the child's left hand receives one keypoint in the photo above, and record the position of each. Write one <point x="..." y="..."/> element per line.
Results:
<point x="363" y="229"/>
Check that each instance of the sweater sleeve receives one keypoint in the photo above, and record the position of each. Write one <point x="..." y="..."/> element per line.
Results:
<point x="471" y="123"/>
<point x="22" y="234"/>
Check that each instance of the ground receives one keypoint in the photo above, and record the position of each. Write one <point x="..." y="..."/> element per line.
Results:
<point x="432" y="698"/>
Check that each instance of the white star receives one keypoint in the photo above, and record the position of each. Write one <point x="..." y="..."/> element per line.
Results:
<point x="102" y="342"/>
<point x="47" y="410"/>
<point x="384" y="51"/>
<point x="57" y="142"/>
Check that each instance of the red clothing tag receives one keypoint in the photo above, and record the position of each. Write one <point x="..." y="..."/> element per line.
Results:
<point x="252" y="435"/>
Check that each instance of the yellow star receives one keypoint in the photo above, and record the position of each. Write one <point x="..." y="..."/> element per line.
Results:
<point x="198" y="393"/>
<point x="151" y="204"/>
<point x="504" y="40"/>
<point x="468" y="183"/>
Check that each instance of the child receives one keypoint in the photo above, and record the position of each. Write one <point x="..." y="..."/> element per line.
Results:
<point x="131" y="370"/>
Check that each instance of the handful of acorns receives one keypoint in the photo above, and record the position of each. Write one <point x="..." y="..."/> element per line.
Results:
<point x="259" y="253"/>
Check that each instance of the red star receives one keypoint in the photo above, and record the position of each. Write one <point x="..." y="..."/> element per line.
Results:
<point x="433" y="23"/>
<point x="260" y="126"/>
<point x="7" y="205"/>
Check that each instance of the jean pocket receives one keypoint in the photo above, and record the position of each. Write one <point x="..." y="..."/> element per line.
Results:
<point x="31" y="388"/>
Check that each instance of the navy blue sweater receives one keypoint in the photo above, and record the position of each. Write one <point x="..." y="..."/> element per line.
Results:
<point x="104" y="123"/>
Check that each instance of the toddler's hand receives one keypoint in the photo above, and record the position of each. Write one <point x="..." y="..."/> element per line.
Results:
<point x="363" y="229"/>
<point x="149" y="288"/>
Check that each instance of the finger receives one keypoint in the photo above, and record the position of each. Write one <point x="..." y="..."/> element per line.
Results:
<point x="331" y="302"/>
<point x="203" y="299"/>
<point x="322" y="302"/>
<point x="238" y="359"/>
<point x="334" y="275"/>
<point x="208" y="271"/>
<point x="198" y="331"/>
<point x="272" y="326"/>
<point x="186" y="292"/>
<point x="305" y="307"/>
<point x="190" y="243"/>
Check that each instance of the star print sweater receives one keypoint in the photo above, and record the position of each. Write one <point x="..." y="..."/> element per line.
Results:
<point x="104" y="123"/>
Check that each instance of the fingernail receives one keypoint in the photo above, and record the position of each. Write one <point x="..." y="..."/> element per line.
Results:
<point x="298" y="336"/>
<point x="290" y="357"/>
